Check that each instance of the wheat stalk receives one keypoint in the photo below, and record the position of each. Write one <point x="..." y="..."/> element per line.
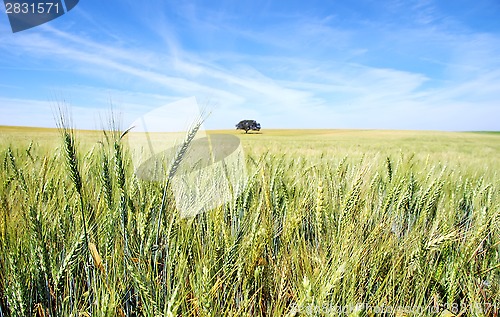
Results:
<point x="173" y="169"/>
<point x="320" y="200"/>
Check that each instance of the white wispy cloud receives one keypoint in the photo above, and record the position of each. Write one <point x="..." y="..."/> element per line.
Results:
<point x="308" y="72"/>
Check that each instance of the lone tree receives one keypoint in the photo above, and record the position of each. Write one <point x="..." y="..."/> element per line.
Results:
<point x="248" y="125"/>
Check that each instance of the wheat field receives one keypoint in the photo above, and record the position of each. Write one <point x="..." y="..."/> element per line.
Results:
<point x="331" y="222"/>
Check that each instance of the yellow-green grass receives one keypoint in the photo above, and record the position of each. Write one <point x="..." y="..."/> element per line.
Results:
<point x="330" y="219"/>
<point x="450" y="146"/>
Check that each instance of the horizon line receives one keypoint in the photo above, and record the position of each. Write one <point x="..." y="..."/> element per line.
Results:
<point x="2" y="126"/>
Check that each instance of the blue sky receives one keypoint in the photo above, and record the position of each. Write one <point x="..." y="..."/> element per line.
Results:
<point x="416" y="64"/>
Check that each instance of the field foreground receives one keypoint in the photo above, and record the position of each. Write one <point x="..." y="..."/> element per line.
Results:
<point x="331" y="222"/>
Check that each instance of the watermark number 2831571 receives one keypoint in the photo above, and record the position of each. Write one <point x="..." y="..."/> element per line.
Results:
<point x="25" y="14"/>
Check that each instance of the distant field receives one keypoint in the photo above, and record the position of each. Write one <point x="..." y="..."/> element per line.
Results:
<point x="314" y="141"/>
<point x="468" y="149"/>
<point x="487" y="132"/>
<point x="328" y="219"/>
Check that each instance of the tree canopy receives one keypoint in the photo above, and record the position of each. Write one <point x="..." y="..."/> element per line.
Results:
<point x="248" y="125"/>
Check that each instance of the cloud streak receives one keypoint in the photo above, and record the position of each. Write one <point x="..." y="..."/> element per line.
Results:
<point x="314" y="71"/>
